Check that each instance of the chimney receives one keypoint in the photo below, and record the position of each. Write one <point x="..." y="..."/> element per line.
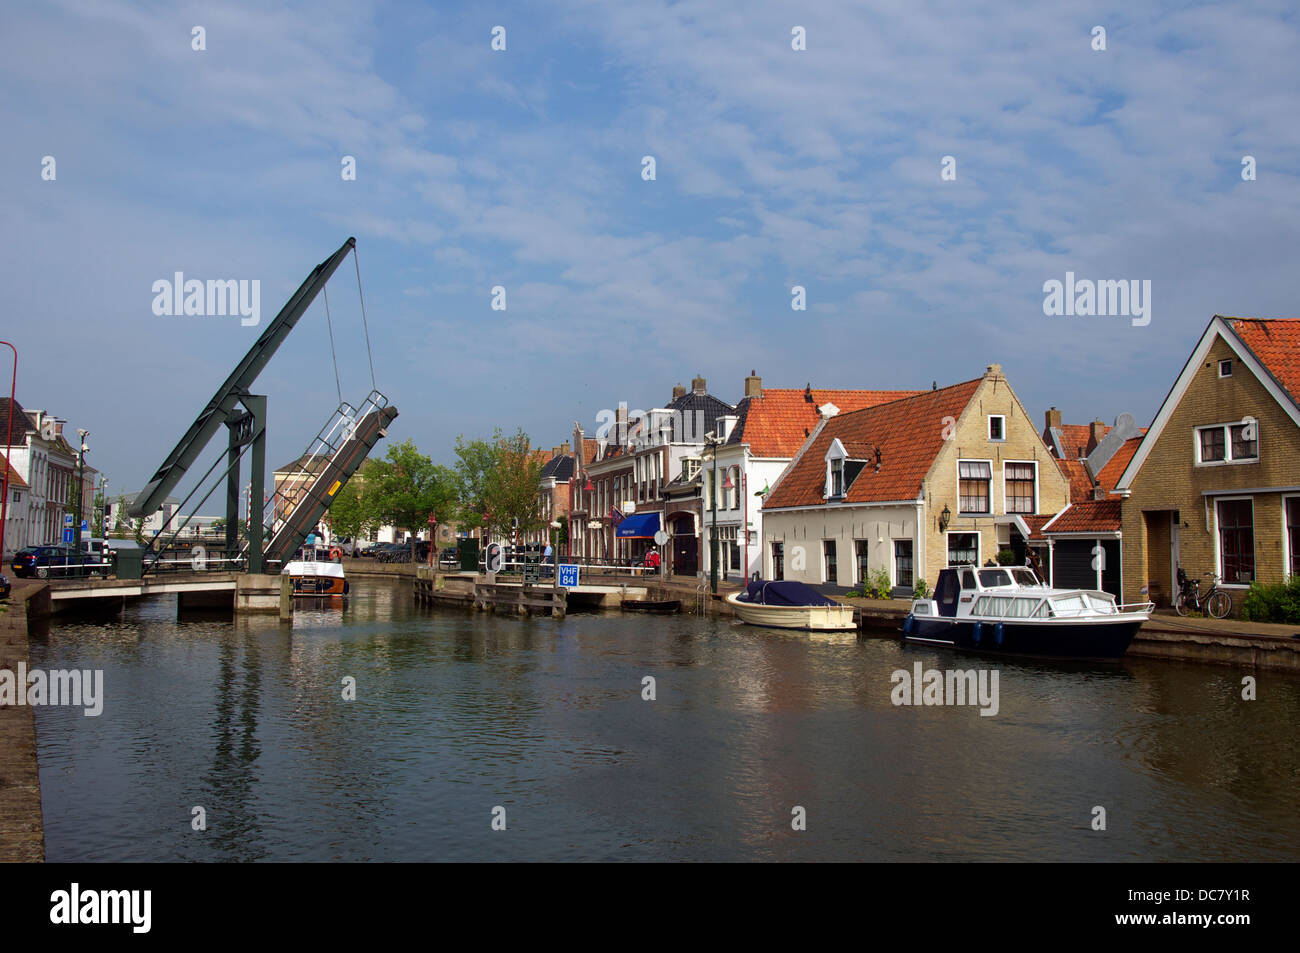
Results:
<point x="620" y="425"/>
<point x="555" y="452"/>
<point x="1096" y="430"/>
<point x="1053" y="418"/>
<point x="993" y="370"/>
<point x="678" y="391"/>
<point x="698" y="385"/>
<point x="753" y="385"/>
<point x="564" y="448"/>
<point x="1098" y="492"/>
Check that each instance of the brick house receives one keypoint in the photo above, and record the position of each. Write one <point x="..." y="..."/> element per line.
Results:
<point x="952" y="475"/>
<point x="1215" y="484"/>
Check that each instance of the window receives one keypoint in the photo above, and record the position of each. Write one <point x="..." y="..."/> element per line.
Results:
<point x="1020" y="487"/>
<point x="1228" y="443"/>
<point x="903" y="562"/>
<point x="1293" y="534"/>
<point x="963" y="548"/>
<point x="828" y="555"/>
<point x="837" y="478"/>
<point x="974" y="479"/>
<point x="735" y="556"/>
<point x="860" y="551"/>
<point x="1225" y="368"/>
<point x="997" y="427"/>
<point x="1236" y="541"/>
<point x="778" y="560"/>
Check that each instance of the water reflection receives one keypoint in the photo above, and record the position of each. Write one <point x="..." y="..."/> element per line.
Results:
<point x="456" y="713"/>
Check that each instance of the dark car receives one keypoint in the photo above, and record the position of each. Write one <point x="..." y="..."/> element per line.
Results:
<point x="4" y="586"/>
<point x="58" y="562"/>
<point x="450" y="556"/>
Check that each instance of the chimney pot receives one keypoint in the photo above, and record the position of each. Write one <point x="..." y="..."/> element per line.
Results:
<point x="678" y="391"/>
<point x="753" y="385"/>
<point x="1053" y="418"/>
<point x="698" y="385"/>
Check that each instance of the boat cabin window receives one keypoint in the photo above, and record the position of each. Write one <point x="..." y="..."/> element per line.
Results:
<point x="992" y="578"/>
<point x="1073" y="604"/>
<point x="1024" y="577"/>
<point x="946" y="592"/>
<point x="1009" y="607"/>
<point x="967" y="579"/>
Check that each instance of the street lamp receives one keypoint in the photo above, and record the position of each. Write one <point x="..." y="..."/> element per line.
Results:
<point x="82" y="450"/>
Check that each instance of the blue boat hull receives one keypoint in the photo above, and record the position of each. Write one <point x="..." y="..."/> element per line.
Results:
<point x="1056" y="640"/>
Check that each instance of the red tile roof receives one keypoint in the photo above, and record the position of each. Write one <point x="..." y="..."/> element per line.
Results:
<point x="1080" y="484"/>
<point x="909" y="433"/>
<point x="589" y="445"/>
<point x="777" y="423"/>
<point x="1114" y="468"/>
<point x="1089" y="516"/>
<point x="1276" y="343"/>
<point x="1076" y="437"/>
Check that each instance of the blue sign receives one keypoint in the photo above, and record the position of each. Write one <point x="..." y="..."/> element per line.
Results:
<point x="67" y="519"/>
<point x="569" y="575"/>
<point x="85" y="526"/>
<point x="67" y="535"/>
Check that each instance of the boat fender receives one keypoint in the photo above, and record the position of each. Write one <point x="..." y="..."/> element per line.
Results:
<point x="977" y="631"/>
<point x="997" y="633"/>
<point x="908" y="624"/>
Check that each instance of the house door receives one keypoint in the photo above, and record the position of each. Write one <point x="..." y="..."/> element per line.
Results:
<point x="686" y="547"/>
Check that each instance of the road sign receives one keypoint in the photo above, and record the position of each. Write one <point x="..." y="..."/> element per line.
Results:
<point x="494" y="558"/>
<point x="67" y="534"/>
<point x="67" y="520"/>
<point x="85" y="526"/>
<point x="661" y="538"/>
<point x="569" y="575"/>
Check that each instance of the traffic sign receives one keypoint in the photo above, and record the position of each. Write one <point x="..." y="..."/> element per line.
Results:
<point x="661" y="538"/>
<point x="569" y="575"/>
<point x="85" y="526"/>
<point x="67" y="534"/>
<point x="67" y="520"/>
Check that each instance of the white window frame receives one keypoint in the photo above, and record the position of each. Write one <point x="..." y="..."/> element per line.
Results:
<point x="1286" y="537"/>
<point x="826" y="579"/>
<point x="992" y="502"/>
<point x="835" y="452"/>
<point x="1218" y="541"/>
<point x="979" y="546"/>
<point x="1228" y="361"/>
<point x="1227" y="445"/>
<point x="1006" y="510"/>
<point x="989" y="430"/>
<point x="893" y="559"/>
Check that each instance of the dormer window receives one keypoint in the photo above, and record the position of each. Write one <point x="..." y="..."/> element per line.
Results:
<point x="835" y="458"/>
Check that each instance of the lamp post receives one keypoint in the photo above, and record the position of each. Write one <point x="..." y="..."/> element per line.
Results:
<point x="81" y="488"/>
<point x="9" y="442"/>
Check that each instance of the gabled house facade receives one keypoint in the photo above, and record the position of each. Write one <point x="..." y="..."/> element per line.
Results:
<point x="952" y="475"/>
<point x="1215" y="484"/>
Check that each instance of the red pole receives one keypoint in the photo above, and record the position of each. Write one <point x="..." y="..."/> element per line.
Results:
<point x="9" y="442"/>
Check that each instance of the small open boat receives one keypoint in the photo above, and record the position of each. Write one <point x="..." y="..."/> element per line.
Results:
<point x="312" y="576"/>
<point x="667" y="607"/>
<point x="786" y="604"/>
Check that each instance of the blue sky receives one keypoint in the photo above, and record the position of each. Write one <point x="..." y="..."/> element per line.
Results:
<point x="522" y="169"/>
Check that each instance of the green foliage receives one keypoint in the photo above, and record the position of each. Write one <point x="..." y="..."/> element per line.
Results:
<point x="852" y="594"/>
<point x="1273" y="602"/>
<point x="404" y="488"/>
<point x="348" y="515"/>
<point x="921" y="590"/>
<point x="1007" y="557"/>
<point x="877" y="582"/>
<point x="496" y="483"/>
<point x="119" y="526"/>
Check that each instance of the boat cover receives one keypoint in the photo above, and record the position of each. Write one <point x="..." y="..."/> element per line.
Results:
<point x="785" y="592"/>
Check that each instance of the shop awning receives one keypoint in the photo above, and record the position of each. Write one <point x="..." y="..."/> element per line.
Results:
<point x="638" y="526"/>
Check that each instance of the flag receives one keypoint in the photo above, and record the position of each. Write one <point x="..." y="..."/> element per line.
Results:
<point x="615" y="515"/>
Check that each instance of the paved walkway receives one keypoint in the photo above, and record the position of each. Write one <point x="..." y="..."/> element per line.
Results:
<point x="22" y="833"/>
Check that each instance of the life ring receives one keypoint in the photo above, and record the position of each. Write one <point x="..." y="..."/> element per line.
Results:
<point x="336" y="554"/>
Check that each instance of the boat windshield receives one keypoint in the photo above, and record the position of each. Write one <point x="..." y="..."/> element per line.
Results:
<point x="1025" y="577"/>
<point x="992" y="578"/>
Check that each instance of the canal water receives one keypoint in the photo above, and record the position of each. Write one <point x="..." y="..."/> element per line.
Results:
<point x="460" y="715"/>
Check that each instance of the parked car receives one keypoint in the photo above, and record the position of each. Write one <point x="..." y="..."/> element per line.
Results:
<point x="450" y="556"/>
<point x="58" y="562"/>
<point x="4" y="586"/>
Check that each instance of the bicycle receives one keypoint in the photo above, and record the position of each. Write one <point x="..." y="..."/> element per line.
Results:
<point x="1216" y="602"/>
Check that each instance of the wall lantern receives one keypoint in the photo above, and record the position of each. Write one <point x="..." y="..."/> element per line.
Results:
<point x="944" y="518"/>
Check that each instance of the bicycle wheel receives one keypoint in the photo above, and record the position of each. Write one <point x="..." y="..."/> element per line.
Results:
<point x="1180" y="604"/>
<point x="1219" y="604"/>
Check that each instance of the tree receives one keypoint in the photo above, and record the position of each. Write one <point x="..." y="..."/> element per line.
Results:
<point x="405" y="488"/>
<point x="348" y="515"/>
<point x="119" y="527"/>
<point x="496" y="482"/>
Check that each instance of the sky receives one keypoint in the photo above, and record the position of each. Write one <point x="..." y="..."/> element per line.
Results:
<point x="523" y="169"/>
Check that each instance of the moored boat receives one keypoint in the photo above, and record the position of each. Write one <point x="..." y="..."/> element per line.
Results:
<point x="786" y="604"/>
<point x="312" y="576"/>
<point x="1008" y="610"/>
<point x="666" y="607"/>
